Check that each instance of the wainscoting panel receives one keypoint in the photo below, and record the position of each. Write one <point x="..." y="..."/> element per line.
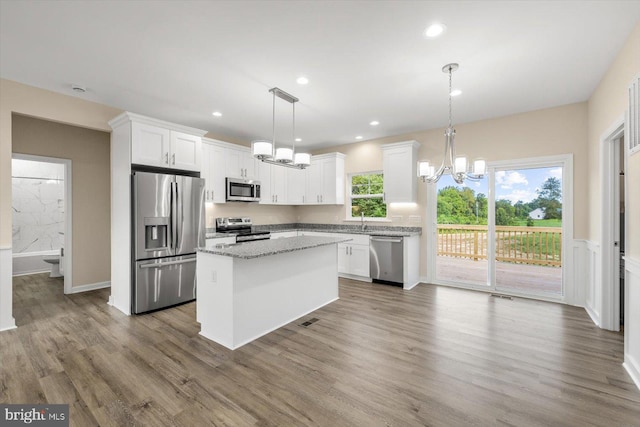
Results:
<point x="593" y="280"/>
<point x="6" y="289"/>
<point x="632" y="319"/>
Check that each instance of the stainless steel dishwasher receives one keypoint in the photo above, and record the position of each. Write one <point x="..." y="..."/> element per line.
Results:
<point x="386" y="259"/>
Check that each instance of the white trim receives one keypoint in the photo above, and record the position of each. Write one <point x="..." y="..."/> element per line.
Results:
<point x="632" y="319"/>
<point x="6" y="290"/>
<point x="128" y="116"/>
<point x="67" y="268"/>
<point x="631" y="265"/>
<point x="354" y="277"/>
<point x="89" y="287"/>
<point x="610" y="308"/>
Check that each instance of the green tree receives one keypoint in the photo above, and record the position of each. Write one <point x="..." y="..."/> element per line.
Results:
<point x="505" y="212"/>
<point x="550" y="198"/>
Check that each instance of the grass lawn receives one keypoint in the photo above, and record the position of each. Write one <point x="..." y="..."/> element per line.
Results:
<point x="541" y="222"/>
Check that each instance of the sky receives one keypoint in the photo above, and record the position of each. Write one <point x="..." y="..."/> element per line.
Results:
<point x="514" y="185"/>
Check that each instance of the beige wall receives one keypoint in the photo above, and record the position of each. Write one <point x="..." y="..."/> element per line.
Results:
<point x="88" y="151"/>
<point x="607" y="104"/>
<point x="31" y="101"/>
<point x="259" y="214"/>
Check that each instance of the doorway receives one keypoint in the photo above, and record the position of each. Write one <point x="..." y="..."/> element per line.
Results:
<point x="506" y="233"/>
<point x="42" y="216"/>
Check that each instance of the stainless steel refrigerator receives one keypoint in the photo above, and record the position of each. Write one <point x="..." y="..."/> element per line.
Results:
<point x="168" y="225"/>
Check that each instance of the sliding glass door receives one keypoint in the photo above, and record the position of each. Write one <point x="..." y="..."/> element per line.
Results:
<point x="528" y="230"/>
<point x="506" y="233"/>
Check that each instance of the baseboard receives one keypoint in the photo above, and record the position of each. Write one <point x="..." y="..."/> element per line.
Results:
<point x="354" y="277"/>
<point x="631" y="265"/>
<point x="29" y="273"/>
<point x="409" y="287"/>
<point x="633" y="369"/>
<point x="89" y="287"/>
<point x="594" y="316"/>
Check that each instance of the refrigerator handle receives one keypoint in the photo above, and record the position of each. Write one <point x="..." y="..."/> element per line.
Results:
<point x="174" y="214"/>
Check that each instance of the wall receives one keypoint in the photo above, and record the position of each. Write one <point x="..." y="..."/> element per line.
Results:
<point x="38" y="206"/>
<point x="88" y="151"/>
<point x="31" y="101"/>
<point x="552" y="131"/>
<point x="606" y="105"/>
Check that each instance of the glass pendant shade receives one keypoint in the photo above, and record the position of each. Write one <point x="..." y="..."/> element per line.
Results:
<point x="460" y="165"/>
<point x="302" y="159"/>
<point x="423" y="169"/>
<point x="284" y="155"/>
<point x="262" y="149"/>
<point x="479" y="167"/>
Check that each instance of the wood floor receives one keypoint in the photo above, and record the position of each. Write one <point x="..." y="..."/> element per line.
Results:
<point x="379" y="356"/>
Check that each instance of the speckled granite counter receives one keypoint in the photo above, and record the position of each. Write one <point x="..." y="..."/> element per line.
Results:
<point x="263" y="248"/>
<point x="371" y="230"/>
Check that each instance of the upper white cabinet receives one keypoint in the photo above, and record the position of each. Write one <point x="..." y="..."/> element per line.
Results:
<point x="240" y="163"/>
<point x="399" y="163"/>
<point x="325" y="180"/>
<point x="296" y="186"/>
<point x="152" y="142"/>
<point x="213" y="171"/>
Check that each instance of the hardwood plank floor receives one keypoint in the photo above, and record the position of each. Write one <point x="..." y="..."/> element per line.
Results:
<point x="378" y="356"/>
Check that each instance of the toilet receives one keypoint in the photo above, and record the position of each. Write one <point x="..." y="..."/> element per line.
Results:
<point x="55" y="266"/>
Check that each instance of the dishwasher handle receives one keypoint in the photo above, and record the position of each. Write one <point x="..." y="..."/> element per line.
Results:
<point x="386" y="239"/>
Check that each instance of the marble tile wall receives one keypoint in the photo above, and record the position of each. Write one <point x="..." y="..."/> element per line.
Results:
<point x="38" y="206"/>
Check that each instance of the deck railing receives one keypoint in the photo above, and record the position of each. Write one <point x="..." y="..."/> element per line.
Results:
<point x="522" y="245"/>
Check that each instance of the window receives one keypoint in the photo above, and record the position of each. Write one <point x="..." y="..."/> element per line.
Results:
<point x="367" y="195"/>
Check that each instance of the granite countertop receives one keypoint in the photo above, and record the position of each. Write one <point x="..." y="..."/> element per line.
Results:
<point x="371" y="230"/>
<point x="262" y="248"/>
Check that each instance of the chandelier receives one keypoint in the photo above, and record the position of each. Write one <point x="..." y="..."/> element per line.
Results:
<point x="267" y="152"/>
<point x="458" y="167"/>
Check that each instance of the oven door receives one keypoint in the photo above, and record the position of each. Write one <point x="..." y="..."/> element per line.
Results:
<point x="242" y="191"/>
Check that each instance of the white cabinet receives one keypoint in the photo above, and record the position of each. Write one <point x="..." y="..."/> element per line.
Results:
<point x="240" y="163"/>
<point x="153" y="145"/>
<point x="213" y="170"/>
<point x="325" y="180"/>
<point x="279" y="185"/>
<point x="399" y="164"/>
<point x="296" y="186"/>
<point x="353" y="256"/>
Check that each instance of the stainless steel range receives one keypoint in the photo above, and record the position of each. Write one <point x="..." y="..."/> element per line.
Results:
<point x="242" y="228"/>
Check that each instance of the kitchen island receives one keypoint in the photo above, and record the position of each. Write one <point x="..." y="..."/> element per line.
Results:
<point x="248" y="290"/>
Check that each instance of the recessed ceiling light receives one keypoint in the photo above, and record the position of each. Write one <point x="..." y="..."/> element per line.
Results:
<point x="217" y="114"/>
<point x="302" y="80"/>
<point x="374" y="123"/>
<point x="298" y="139"/>
<point x="359" y="137"/>
<point x="434" y="30"/>
<point x="456" y="92"/>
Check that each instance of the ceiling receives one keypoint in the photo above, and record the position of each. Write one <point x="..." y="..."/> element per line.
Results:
<point x="365" y="60"/>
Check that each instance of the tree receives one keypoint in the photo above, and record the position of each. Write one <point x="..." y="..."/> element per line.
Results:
<point x="505" y="212"/>
<point x="550" y="198"/>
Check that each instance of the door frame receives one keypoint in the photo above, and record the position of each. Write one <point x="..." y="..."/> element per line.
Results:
<point x="570" y="289"/>
<point x="566" y="162"/>
<point x="610" y="308"/>
<point x="68" y="212"/>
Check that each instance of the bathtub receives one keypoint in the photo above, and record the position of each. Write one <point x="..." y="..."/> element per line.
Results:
<point x="32" y="263"/>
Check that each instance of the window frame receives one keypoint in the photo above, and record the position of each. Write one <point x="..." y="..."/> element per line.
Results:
<point x="349" y="213"/>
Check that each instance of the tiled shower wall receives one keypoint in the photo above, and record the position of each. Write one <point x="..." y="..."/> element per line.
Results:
<point x="38" y="206"/>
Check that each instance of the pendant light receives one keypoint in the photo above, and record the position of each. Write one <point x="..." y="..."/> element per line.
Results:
<point x="266" y="151"/>
<point x="458" y="167"/>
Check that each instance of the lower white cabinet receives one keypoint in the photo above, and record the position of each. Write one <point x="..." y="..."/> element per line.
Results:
<point x="353" y="256"/>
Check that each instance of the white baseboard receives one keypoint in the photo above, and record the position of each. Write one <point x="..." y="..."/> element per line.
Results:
<point x="594" y="316"/>
<point x="89" y="287"/>
<point x="410" y="286"/>
<point x="354" y="277"/>
<point x="633" y="369"/>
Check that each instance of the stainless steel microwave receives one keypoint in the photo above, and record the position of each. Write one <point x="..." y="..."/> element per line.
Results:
<point x="240" y="190"/>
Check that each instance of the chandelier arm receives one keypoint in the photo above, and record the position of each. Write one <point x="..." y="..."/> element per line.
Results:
<point x="293" y="146"/>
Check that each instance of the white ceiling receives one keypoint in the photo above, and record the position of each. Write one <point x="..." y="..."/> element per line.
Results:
<point x="366" y="60"/>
